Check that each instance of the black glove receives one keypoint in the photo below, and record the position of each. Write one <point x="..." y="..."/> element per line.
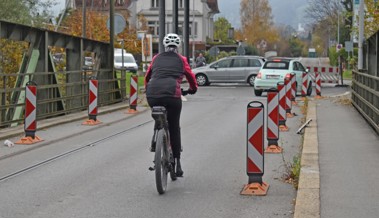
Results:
<point x="192" y="91"/>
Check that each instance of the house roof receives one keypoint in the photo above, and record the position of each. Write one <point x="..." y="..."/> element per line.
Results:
<point x="213" y="5"/>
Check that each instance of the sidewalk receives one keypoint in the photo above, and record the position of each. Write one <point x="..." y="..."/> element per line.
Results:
<point x="339" y="165"/>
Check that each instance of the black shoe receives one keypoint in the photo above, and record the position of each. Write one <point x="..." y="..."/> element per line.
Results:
<point x="179" y="171"/>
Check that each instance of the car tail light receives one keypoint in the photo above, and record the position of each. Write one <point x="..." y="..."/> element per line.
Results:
<point x="259" y="75"/>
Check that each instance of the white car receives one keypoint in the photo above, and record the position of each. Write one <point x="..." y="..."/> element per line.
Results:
<point x="275" y="70"/>
<point x="129" y="61"/>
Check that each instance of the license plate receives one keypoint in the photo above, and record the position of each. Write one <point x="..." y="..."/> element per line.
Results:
<point x="272" y="76"/>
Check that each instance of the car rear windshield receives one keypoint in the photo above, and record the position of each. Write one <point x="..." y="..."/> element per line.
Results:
<point x="283" y="65"/>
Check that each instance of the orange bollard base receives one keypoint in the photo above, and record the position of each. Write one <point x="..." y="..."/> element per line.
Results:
<point x="255" y="189"/>
<point x="27" y="140"/>
<point x="131" y="111"/>
<point x="274" y="149"/>
<point x="318" y="97"/>
<point x="283" y="128"/>
<point x="91" y="122"/>
<point x="290" y="115"/>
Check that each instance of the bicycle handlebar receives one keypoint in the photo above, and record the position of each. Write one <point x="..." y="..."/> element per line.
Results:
<point x="184" y="92"/>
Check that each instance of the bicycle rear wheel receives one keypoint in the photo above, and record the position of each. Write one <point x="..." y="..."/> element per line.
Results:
<point x="161" y="162"/>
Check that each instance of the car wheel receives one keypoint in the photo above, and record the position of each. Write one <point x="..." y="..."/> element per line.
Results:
<point x="251" y="80"/>
<point x="201" y="80"/>
<point x="258" y="92"/>
<point x="310" y="89"/>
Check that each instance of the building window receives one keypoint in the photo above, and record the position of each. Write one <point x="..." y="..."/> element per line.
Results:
<point x="181" y="4"/>
<point x="153" y="27"/>
<point x="155" y="3"/>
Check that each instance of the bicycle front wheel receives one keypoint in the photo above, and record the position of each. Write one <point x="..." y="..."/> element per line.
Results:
<point x="161" y="162"/>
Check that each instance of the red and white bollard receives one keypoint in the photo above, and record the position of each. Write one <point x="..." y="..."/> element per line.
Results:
<point x="304" y="86"/>
<point x="293" y="88"/>
<point x="273" y="122"/>
<point x="288" y="107"/>
<point x="282" y="105"/>
<point x="92" y="102"/>
<point x="30" y="123"/>
<point x="255" y="154"/>
<point x="133" y="94"/>
<point x="318" y="85"/>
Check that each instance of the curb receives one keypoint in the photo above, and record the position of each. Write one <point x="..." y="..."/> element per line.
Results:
<point x="308" y="193"/>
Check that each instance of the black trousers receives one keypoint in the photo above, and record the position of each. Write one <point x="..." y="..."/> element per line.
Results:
<point x="174" y="108"/>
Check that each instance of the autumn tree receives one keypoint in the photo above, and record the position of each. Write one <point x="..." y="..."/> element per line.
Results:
<point x="257" y="23"/>
<point x="96" y="29"/>
<point x="372" y="18"/>
<point x="221" y="30"/>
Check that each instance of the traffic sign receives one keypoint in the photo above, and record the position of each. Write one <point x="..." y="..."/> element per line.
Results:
<point x="119" y="23"/>
<point x="241" y="50"/>
<point x="214" y="51"/>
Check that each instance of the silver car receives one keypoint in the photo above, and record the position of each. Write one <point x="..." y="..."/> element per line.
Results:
<point x="231" y="69"/>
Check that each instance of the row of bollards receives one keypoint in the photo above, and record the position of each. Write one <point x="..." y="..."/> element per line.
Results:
<point x="279" y="108"/>
<point x="30" y="122"/>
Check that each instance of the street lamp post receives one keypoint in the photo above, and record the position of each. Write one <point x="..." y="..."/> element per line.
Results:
<point x="360" y="36"/>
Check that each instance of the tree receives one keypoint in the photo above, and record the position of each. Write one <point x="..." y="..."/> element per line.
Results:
<point x="96" y="29"/>
<point x="221" y="30"/>
<point x="257" y="22"/>
<point x="28" y="12"/>
<point x="372" y="18"/>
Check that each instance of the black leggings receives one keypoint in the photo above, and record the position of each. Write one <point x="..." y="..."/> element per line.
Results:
<point x="174" y="108"/>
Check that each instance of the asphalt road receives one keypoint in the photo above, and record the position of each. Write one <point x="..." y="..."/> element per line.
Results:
<point x="110" y="178"/>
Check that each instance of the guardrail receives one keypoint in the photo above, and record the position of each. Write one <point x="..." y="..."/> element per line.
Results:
<point x="365" y="96"/>
<point x="59" y="94"/>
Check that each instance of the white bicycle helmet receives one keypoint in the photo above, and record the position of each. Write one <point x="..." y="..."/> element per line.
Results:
<point x="171" y="39"/>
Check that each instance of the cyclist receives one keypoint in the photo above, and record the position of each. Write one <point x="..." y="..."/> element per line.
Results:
<point x="162" y="83"/>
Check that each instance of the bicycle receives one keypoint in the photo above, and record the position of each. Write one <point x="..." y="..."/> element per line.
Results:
<point x="164" y="162"/>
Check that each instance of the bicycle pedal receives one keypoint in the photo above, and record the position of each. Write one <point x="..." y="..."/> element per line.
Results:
<point x="151" y="168"/>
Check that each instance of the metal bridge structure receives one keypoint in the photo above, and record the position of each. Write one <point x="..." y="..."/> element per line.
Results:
<point x="365" y="84"/>
<point x="59" y="92"/>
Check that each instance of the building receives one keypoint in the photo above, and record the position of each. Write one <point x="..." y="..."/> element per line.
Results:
<point x="202" y="14"/>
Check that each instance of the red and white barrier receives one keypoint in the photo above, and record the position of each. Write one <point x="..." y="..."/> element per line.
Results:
<point x="92" y="102"/>
<point x="133" y="94"/>
<point x="273" y="121"/>
<point x="288" y="107"/>
<point x="328" y="74"/>
<point x="282" y="105"/>
<point x="318" y="85"/>
<point x="255" y="154"/>
<point x="30" y="122"/>
<point x="293" y="88"/>
<point x="304" y="86"/>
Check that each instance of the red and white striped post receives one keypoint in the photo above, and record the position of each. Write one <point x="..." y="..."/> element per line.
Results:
<point x="273" y="122"/>
<point x="288" y="107"/>
<point x="293" y="88"/>
<point x="318" y="85"/>
<point x="92" y="102"/>
<point x="304" y="86"/>
<point x="30" y="122"/>
<point x="255" y="154"/>
<point x="282" y="105"/>
<point x="133" y="94"/>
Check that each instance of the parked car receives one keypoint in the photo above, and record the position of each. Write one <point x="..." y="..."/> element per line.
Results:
<point x="130" y="63"/>
<point x="230" y="70"/>
<point x="275" y="70"/>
